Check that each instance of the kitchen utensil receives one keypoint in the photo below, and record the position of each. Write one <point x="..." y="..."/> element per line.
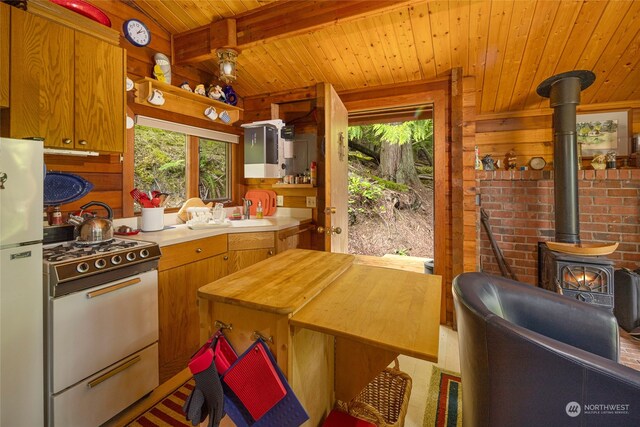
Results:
<point x="267" y="199"/>
<point x="61" y="188"/>
<point x="96" y="230"/>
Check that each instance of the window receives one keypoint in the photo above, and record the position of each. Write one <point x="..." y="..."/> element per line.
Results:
<point x="182" y="160"/>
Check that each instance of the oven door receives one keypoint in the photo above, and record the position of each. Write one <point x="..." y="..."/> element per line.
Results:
<point x="97" y="327"/>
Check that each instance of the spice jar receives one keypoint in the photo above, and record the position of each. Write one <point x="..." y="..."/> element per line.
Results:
<point x="56" y="216"/>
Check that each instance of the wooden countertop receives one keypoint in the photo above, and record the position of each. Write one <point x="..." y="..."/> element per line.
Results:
<point x="387" y="308"/>
<point x="390" y="309"/>
<point x="281" y="284"/>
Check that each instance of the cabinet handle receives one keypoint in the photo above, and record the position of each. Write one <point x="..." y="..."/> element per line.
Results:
<point x="82" y="142"/>
<point x="198" y="250"/>
<point x="66" y="141"/>
<point x="113" y="288"/>
<point x="225" y="258"/>
<point x="114" y="371"/>
<point x="270" y="252"/>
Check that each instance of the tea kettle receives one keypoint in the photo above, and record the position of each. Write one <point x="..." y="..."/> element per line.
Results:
<point x="90" y="228"/>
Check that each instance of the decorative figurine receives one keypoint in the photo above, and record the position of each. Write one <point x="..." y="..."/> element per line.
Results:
<point x="162" y="69"/>
<point x="488" y="163"/>
<point x="478" y="165"/>
<point x="611" y="160"/>
<point x="599" y="162"/>
<point x="185" y="86"/>
<point x="511" y="160"/>
<point x="200" y="90"/>
<point x="215" y="92"/>
<point x="230" y="96"/>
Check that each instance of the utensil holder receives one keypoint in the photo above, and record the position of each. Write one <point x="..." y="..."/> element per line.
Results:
<point x="152" y="219"/>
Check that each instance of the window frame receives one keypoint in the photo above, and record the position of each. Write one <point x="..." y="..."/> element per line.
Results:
<point x="192" y="167"/>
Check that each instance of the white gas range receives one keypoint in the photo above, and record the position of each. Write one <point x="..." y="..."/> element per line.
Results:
<point x="101" y="317"/>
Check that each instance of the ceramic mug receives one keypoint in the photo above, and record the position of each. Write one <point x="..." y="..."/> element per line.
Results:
<point x="225" y="117"/>
<point x="156" y="97"/>
<point x="211" y="113"/>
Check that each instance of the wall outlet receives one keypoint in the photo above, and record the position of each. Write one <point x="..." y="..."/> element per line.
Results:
<point x="280" y="200"/>
<point x="311" y="201"/>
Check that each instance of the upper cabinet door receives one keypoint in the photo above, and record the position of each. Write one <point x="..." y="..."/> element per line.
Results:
<point x="41" y="80"/>
<point x="99" y="95"/>
<point x="5" y="34"/>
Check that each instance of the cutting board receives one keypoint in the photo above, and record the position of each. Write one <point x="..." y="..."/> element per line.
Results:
<point x="268" y="199"/>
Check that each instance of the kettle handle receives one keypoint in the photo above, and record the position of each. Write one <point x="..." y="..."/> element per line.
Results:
<point x="103" y="205"/>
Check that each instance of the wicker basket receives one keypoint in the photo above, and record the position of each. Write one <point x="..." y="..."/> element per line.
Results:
<point x="384" y="401"/>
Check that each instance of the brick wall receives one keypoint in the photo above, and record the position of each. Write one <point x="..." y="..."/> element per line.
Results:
<point x="521" y="212"/>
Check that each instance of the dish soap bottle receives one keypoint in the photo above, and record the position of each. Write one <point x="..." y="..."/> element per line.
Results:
<point x="259" y="210"/>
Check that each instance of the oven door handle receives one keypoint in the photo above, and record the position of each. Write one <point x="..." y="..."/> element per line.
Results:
<point x="113" y="288"/>
<point x="114" y="371"/>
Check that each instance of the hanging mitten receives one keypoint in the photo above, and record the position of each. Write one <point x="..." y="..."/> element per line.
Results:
<point x="195" y="407"/>
<point x="204" y="372"/>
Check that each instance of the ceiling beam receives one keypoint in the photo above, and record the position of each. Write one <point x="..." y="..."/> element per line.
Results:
<point x="273" y="21"/>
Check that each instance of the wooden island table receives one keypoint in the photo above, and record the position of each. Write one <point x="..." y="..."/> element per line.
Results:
<point x="332" y="322"/>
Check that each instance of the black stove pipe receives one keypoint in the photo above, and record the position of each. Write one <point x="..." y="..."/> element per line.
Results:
<point x="563" y="91"/>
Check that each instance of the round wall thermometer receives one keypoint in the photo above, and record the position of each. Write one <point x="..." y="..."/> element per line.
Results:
<point x="136" y="32"/>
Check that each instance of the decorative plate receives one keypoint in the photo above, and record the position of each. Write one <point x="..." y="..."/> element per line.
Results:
<point x="61" y="188"/>
<point x="85" y="9"/>
<point x="537" y="163"/>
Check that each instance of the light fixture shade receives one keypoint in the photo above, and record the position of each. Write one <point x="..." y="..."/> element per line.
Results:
<point x="227" y="64"/>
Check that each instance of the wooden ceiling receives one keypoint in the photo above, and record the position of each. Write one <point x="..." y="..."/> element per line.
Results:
<point x="510" y="46"/>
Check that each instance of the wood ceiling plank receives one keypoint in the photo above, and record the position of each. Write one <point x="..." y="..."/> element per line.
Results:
<point x="617" y="78"/>
<point x="518" y="33"/>
<point x="616" y="48"/>
<point x="402" y="27"/>
<point x="328" y="42"/>
<point x="629" y="87"/>
<point x="374" y="46"/>
<point x="459" y="24"/>
<point x="439" y="20"/>
<point x="169" y="13"/>
<point x="387" y="34"/>
<point x="321" y="59"/>
<point x="273" y="75"/>
<point x="479" y="12"/>
<point x="501" y="12"/>
<point x="362" y="55"/>
<point x="300" y="51"/>
<point x="421" y="28"/>
<point x="292" y="64"/>
<point x="581" y="33"/>
<point x="556" y="41"/>
<point x="544" y="15"/>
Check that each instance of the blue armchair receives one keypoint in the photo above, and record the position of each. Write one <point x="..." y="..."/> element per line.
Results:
<point x="530" y="357"/>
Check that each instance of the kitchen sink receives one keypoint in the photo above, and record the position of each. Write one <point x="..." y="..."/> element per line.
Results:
<point x="252" y="222"/>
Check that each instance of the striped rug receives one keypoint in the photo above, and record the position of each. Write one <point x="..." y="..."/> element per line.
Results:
<point x="168" y="412"/>
<point x="444" y="400"/>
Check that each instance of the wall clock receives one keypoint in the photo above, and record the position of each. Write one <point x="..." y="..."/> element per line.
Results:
<point x="136" y="32"/>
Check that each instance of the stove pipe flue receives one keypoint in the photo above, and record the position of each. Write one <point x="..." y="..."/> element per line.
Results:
<point x="563" y="91"/>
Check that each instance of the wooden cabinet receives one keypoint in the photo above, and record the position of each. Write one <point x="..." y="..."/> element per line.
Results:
<point x="298" y="237"/>
<point x="183" y="268"/>
<point x="246" y="249"/>
<point x="5" y="13"/>
<point x="66" y="86"/>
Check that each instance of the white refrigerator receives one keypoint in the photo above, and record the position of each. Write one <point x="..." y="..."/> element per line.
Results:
<point x="21" y="283"/>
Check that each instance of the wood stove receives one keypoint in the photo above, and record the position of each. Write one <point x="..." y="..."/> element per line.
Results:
<point x="585" y="278"/>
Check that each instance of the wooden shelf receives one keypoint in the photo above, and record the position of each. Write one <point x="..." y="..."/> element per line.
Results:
<point x="181" y="101"/>
<point x="280" y="185"/>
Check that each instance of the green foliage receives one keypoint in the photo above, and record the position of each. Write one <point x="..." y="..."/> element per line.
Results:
<point x="390" y="185"/>
<point x="213" y="170"/>
<point x="159" y="162"/>
<point x="363" y="196"/>
<point x="402" y="251"/>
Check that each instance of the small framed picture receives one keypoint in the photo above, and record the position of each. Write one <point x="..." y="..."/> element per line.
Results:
<point x="601" y="133"/>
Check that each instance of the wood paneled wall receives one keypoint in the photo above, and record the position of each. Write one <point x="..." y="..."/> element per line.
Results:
<point x="530" y="133"/>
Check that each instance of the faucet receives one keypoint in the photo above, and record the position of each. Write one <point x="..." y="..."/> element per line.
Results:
<point x="247" y="206"/>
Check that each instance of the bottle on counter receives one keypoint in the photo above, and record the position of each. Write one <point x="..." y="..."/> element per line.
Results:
<point x="45" y="218"/>
<point x="259" y="213"/>
<point x="314" y="174"/>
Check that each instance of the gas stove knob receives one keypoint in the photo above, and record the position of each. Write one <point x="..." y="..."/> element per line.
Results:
<point x="144" y="253"/>
<point x="83" y="267"/>
<point x="116" y="259"/>
<point x="100" y="263"/>
<point x="131" y="256"/>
